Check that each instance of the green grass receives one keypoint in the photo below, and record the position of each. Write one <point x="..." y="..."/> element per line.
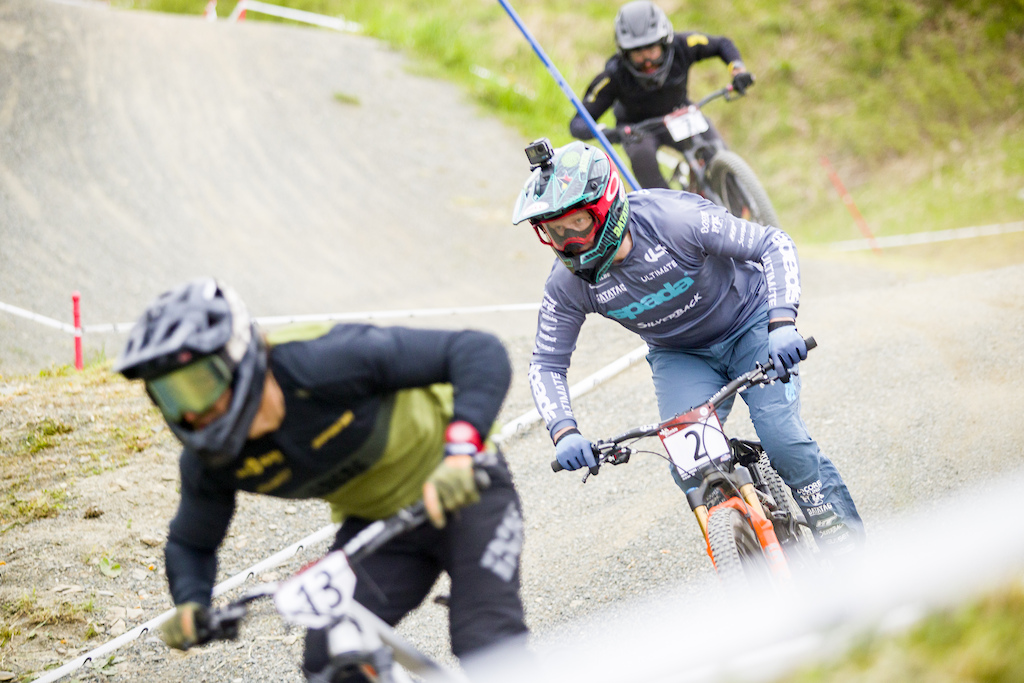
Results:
<point x="917" y="103"/>
<point x="977" y="642"/>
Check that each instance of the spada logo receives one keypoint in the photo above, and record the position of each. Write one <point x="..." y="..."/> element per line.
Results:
<point x="666" y="293"/>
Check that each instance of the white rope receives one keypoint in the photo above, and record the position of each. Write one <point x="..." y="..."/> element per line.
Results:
<point x="928" y="237"/>
<point x="336" y="23"/>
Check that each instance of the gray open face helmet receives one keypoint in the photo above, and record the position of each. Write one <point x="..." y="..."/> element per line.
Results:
<point x="190" y="345"/>
<point x="577" y="177"/>
<point x="642" y="24"/>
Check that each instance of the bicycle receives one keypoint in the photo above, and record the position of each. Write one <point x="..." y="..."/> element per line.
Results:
<point x="705" y="164"/>
<point x="755" y="532"/>
<point x="321" y="596"/>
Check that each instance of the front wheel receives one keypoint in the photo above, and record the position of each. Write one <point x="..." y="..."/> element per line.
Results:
<point x="735" y="550"/>
<point x="741" y="192"/>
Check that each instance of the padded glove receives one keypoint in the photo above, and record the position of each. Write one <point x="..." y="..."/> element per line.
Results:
<point x="614" y="135"/>
<point x="741" y="78"/>
<point x="452" y="484"/>
<point x="573" y="451"/>
<point x="786" y="348"/>
<point x="180" y="631"/>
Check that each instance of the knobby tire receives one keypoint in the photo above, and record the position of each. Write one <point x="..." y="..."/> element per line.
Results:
<point x="736" y="551"/>
<point x="736" y="183"/>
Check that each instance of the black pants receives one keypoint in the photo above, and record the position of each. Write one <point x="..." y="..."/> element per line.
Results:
<point x="643" y="154"/>
<point x="479" y="548"/>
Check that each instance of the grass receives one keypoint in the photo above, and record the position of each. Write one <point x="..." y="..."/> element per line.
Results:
<point x="89" y="422"/>
<point x="977" y="642"/>
<point x="918" y="104"/>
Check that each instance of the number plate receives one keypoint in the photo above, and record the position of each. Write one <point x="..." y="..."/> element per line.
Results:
<point x="694" y="436"/>
<point x="319" y="594"/>
<point x="686" y="124"/>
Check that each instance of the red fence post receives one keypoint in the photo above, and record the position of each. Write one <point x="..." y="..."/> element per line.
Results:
<point x="848" y="200"/>
<point x="76" y="300"/>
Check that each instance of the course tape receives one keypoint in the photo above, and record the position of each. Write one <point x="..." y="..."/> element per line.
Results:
<point x="270" y="321"/>
<point x="928" y="237"/>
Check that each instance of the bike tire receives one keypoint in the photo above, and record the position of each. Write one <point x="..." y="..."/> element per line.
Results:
<point x="802" y="548"/>
<point x="741" y="192"/>
<point x="737" y="554"/>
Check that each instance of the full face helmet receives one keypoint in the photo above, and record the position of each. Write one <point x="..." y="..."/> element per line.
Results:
<point x="190" y="346"/>
<point x="642" y="24"/>
<point x="576" y="177"/>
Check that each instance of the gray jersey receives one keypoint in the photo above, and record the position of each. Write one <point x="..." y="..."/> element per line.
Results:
<point x="695" y="276"/>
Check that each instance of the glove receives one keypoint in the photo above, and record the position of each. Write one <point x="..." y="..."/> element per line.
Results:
<point x="574" y="452"/>
<point x="786" y="348"/>
<point x="741" y="78"/>
<point x="452" y="484"/>
<point x="180" y="631"/>
<point x="614" y="135"/>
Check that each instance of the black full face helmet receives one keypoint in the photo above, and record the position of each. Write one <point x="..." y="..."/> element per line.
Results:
<point x="577" y="177"/>
<point x="192" y="344"/>
<point x="642" y="24"/>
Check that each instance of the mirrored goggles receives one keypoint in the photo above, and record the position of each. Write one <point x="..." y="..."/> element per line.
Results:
<point x="193" y="388"/>
<point x="571" y="234"/>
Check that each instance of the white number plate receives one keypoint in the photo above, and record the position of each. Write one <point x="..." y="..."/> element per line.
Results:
<point x="319" y="594"/>
<point x="697" y="434"/>
<point x="686" y="124"/>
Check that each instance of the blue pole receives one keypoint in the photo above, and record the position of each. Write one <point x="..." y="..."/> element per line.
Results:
<point x="572" y="96"/>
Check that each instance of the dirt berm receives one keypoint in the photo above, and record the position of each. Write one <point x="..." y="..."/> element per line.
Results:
<point x="138" y="150"/>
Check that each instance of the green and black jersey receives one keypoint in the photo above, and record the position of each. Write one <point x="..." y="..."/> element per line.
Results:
<point x="366" y="410"/>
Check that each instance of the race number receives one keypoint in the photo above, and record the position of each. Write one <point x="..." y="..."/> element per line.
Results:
<point x="686" y="124"/>
<point x="319" y="594"/>
<point x="697" y="434"/>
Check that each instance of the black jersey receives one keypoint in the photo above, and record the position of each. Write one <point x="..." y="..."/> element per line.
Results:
<point x="366" y="410"/>
<point x="616" y="86"/>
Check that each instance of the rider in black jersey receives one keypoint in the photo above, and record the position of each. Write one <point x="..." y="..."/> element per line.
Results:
<point x="647" y="78"/>
<point x="369" y="419"/>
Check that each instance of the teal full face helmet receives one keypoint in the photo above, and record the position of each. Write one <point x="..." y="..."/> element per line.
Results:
<point x="576" y="177"/>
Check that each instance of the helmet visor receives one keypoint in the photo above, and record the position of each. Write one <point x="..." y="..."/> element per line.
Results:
<point x="193" y="388"/>
<point x="571" y="234"/>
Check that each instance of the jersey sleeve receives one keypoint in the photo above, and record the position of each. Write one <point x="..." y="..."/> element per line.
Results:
<point x="353" y="361"/>
<point x="599" y="97"/>
<point x="558" y="327"/>
<point x="700" y="46"/>
<point x="698" y="227"/>
<point x="197" y="529"/>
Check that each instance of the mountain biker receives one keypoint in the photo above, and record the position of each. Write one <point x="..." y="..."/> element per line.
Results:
<point x="647" y="78"/>
<point x="711" y="294"/>
<point x="369" y="419"/>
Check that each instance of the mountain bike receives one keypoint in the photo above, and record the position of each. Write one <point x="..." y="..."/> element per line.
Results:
<point x="321" y="596"/>
<point x="755" y="532"/>
<point x="704" y="165"/>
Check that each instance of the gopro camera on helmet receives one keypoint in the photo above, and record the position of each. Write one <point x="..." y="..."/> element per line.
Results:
<point x="540" y="153"/>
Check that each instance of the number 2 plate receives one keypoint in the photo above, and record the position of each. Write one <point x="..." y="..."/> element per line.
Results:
<point x="319" y="594"/>
<point x="695" y="435"/>
<point x="686" y="125"/>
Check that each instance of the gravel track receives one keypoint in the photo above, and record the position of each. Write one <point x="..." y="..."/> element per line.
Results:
<point x="173" y="147"/>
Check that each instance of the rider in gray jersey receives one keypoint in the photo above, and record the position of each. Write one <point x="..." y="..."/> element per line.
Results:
<point x="710" y="293"/>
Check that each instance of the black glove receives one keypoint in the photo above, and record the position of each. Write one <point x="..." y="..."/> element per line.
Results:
<point x="741" y="78"/>
<point x="614" y="135"/>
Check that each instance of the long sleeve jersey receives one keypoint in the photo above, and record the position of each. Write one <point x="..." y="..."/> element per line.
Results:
<point x="366" y="410"/>
<point x="616" y="86"/>
<point x="694" y="277"/>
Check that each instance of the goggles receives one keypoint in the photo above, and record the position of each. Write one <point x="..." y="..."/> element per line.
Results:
<point x="193" y="388"/>
<point x="570" y="234"/>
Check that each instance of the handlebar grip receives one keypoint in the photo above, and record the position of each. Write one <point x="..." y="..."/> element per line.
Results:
<point x="482" y="479"/>
<point x="811" y="343"/>
<point x="556" y="466"/>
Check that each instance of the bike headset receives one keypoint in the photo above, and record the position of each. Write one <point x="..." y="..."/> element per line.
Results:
<point x="190" y="345"/>
<point x="577" y="177"/>
<point x="643" y="24"/>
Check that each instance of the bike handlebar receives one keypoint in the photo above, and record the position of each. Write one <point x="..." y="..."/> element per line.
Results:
<point x="758" y="375"/>
<point x="728" y="92"/>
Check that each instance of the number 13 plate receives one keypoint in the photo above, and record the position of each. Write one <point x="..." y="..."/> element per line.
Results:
<point x="319" y="594"/>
